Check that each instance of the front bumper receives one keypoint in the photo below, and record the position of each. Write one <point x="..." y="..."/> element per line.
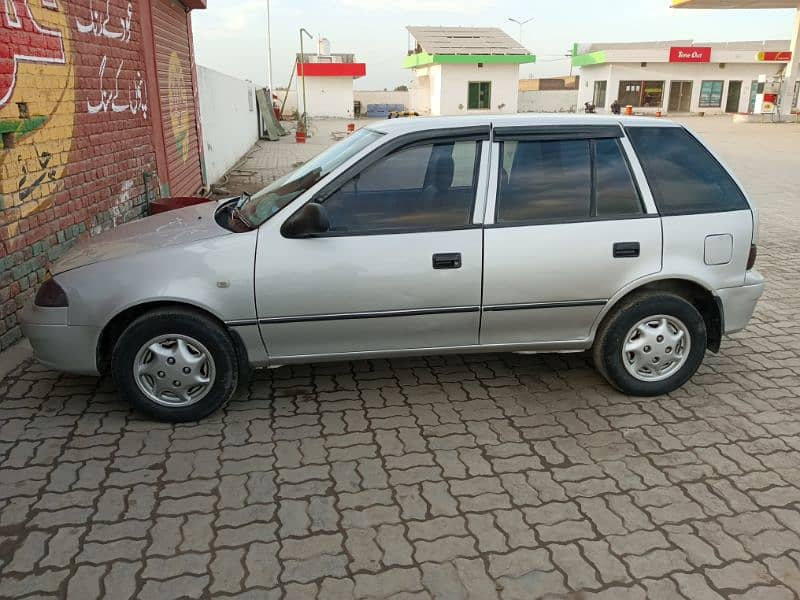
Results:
<point x="739" y="302"/>
<point x="57" y="345"/>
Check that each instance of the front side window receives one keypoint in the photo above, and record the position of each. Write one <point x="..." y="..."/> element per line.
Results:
<point x="684" y="177"/>
<point x="641" y="93"/>
<point x="565" y="180"/>
<point x="599" y="98"/>
<point x="425" y="186"/>
<point x="479" y="95"/>
<point x="711" y="94"/>
<point x="258" y="208"/>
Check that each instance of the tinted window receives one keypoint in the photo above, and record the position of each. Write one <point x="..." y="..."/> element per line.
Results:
<point x="599" y="98"/>
<point x="421" y="187"/>
<point x="711" y="94"/>
<point x="615" y="189"/>
<point x="479" y="94"/>
<point x="404" y="170"/>
<point x="544" y="180"/>
<point x="682" y="174"/>
<point x="262" y="205"/>
<point x="641" y="93"/>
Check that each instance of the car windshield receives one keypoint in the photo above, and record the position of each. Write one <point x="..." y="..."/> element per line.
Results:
<point x="258" y="208"/>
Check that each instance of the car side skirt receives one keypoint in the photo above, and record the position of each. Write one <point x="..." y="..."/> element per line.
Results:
<point x="542" y="347"/>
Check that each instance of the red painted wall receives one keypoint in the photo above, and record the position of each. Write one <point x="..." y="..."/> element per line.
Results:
<point x="79" y="134"/>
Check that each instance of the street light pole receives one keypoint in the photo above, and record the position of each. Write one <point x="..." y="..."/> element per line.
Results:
<point x="303" y="69"/>
<point x="520" y="23"/>
<point x="269" y="53"/>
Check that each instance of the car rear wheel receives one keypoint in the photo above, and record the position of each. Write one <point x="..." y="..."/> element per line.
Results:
<point x="175" y="365"/>
<point x="651" y="344"/>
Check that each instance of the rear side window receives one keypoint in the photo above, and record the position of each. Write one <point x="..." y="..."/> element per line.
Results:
<point x="544" y="180"/>
<point x="565" y="180"/>
<point x="683" y="176"/>
<point x="617" y="195"/>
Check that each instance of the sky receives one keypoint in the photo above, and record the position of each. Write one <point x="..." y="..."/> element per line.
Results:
<point x="231" y="35"/>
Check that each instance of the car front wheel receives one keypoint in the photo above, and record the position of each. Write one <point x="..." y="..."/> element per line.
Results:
<point x="175" y="365"/>
<point x="651" y="344"/>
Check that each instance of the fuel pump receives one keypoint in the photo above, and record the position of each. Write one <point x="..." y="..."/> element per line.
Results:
<point x="767" y="95"/>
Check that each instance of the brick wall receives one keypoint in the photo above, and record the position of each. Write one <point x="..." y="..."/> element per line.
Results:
<point x="77" y="134"/>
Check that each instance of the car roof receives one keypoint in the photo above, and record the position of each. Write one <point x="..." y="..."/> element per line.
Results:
<point x="411" y="124"/>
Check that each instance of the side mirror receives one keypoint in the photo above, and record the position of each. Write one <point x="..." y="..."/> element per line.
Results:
<point x="309" y="220"/>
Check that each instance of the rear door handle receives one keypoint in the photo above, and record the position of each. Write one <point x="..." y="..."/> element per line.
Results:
<point x="447" y="260"/>
<point x="626" y="249"/>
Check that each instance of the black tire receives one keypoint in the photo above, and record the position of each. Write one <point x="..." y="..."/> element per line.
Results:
<point x="176" y="321"/>
<point x="608" y="345"/>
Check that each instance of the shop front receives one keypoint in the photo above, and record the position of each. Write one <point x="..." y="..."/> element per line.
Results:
<point x="678" y="76"/>
<point x="776" y="95"/>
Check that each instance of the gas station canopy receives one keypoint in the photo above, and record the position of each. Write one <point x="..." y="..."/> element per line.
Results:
<point x="735" y="3"/>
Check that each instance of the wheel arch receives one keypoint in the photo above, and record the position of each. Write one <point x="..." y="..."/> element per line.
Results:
<point x="700" y="295"/>
<point x="120" y="321"/>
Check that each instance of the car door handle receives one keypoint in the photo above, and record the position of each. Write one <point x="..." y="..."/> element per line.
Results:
<point x="447" y="260"/>
<point x="626" y="249"/>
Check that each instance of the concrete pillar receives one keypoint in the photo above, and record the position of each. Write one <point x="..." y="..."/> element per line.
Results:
<point x="792" y="72"/>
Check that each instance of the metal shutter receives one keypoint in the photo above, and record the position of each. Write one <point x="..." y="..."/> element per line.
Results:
<point x="178" y="111"/>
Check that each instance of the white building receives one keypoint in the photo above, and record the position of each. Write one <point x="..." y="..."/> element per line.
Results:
<point x="464" y="70"/>
<point x="678" y="76"/>
<point x="791" y="73"/>
<point x="328" y="82"/>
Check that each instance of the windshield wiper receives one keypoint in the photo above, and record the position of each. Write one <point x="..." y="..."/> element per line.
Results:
<point x="236" y="212"/>
<point x="243" y="199"/>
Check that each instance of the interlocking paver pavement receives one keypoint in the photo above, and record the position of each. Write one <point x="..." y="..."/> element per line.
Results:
<point x="484" y="476"/>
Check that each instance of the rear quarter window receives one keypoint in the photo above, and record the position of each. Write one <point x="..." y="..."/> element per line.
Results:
<point x="683" y="175"/>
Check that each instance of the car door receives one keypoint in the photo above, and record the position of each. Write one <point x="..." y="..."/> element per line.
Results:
<point x="567" y="227"/>
<point x="399" y="268"/>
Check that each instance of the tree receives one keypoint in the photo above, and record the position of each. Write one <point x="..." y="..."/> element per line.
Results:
<point x="401" y="88"/>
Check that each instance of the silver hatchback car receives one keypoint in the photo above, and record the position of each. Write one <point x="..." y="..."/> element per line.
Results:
<point x="421" y="236"/>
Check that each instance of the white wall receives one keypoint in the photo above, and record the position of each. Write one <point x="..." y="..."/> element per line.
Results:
<point x="449" y="88"/>
<point x="365" y="96"/>
<point x="419" y="97"/>
<point x="228" y="117"/>
<point x="667" y="72"/>
<point x="435" y="85"/>
<point x="548" y="101"/>
<point x="455" y="80"/>
<point x="792" y="74"/>
<point x="327" y="96"/>
<point x="380" y="97"/>
<point x="291" y="100"/>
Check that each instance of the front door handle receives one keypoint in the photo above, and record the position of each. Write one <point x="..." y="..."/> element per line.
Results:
<point x="447" y="260"/>
<point x="626" y="249"/>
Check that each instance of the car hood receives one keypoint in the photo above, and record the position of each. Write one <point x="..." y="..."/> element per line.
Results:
<point x="173" y="228"/>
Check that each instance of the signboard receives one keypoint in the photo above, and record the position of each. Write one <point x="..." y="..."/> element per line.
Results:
<point x="690" y="54"/>
<point x="331" y="69"/>
<point x="785" y="56"/>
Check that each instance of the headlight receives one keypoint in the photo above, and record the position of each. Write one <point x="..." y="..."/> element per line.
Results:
<point x="51" y="295"/>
